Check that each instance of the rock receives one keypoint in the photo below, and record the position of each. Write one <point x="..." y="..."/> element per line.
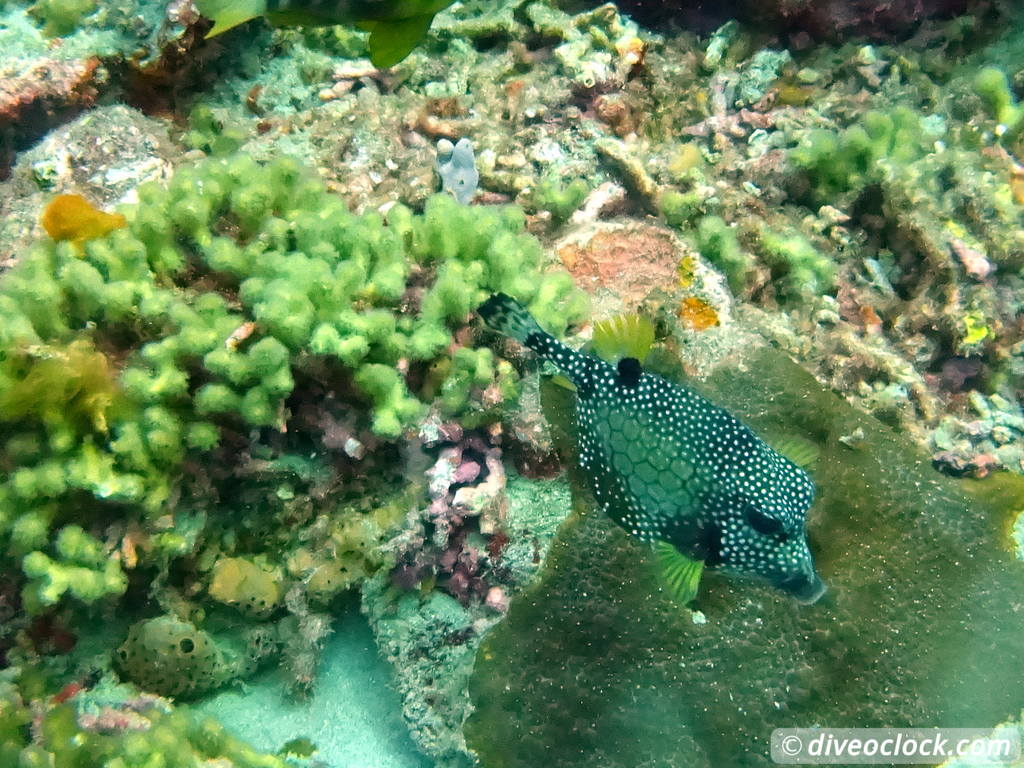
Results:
<point x="103" y="155"/>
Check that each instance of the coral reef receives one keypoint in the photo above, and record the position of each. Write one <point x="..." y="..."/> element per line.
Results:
<point x="827" y="20"/>
<point x="201" y="365"/>
<point x="263" y="324"/>
<point x="266" y="390"/>
<point x="431" y="637"/>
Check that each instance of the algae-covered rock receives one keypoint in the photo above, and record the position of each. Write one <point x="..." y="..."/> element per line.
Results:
<point x="594" y="667"/>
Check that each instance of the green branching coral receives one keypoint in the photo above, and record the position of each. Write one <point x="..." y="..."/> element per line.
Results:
<point x="718" y="243"/>
<point x="212" y="132"/>
<point x="992" y="85"/>
<point x="228" y="292"/>
<point x="802" y="270"/>
<point x="81" y="568"/>
<point x="560" y="200"/>
<point x="842" y="163"/>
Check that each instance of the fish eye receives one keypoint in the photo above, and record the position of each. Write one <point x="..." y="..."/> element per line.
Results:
<point x="762" y="523"/>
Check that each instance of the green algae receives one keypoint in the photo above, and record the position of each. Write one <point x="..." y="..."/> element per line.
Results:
<point x="594" y="667"/>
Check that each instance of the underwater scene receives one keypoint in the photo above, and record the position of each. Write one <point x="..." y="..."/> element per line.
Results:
<point x="509" y="383"/>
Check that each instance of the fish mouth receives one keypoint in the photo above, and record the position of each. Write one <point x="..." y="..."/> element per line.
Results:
<point x="807" y="588"/>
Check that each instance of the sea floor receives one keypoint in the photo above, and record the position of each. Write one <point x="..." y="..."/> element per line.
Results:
<point x="351" y="716"/>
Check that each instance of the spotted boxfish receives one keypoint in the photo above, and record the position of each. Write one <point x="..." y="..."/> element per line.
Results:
<point x="395" y="26"/>
<point x="677" y="471"/>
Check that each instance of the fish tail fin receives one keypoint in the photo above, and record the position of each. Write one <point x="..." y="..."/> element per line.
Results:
<point x="392" y="41"/>
<point x="510" y="318"/>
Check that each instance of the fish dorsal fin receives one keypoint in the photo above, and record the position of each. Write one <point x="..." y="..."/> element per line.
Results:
<point x="680" y="575"/>
<point x="227" y="14"/>
<point x="392" y="41"/>
<point x="799" y="450"/>
<point x="623" y="336"/>
<point x="629" y="371"/>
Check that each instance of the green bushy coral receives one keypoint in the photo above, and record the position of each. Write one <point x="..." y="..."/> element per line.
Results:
<point x="62" y="17"/>
<point x="992" y="85"/>
<point x="226" y="291"/>
<point x="560" y="200"/>
<point x="842" y="163"/>
<point x="718" y="243"/>
<point x="82" y="568"/>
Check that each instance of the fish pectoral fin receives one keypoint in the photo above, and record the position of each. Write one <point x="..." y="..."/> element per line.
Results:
<point x="680" y="575"/>
<point x="800" y="450"/>
<point x="227" y="14"/>
<point x="563" y="382"/>
<point x="392" y="41"/>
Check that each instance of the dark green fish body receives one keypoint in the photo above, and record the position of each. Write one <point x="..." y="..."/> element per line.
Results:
<point x="668" y="465"/>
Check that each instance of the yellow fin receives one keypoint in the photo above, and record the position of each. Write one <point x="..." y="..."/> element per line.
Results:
<point x="227" y="14"/>
<point x="623" y="336"/>
<point x="563" y="382"/>
<point x="799" y="450"/>
<point x="392" y="41"/>
<point x="679" y="574"/>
